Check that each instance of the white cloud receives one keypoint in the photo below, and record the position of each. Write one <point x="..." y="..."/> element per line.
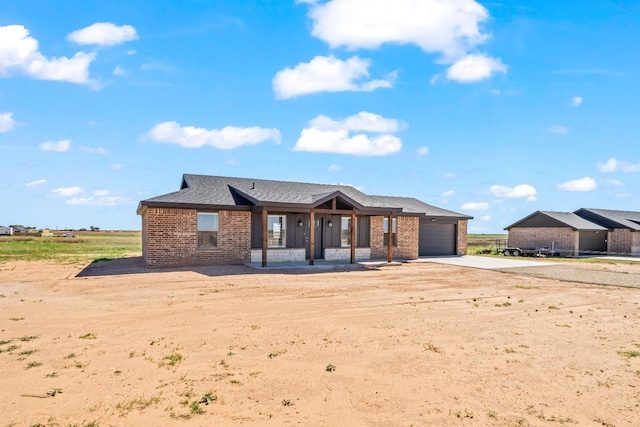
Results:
<point x="226" y="138"/>
<point x="68" y="191"/>
<point x="363" y="121"/>
<point x="583" y="184"/>
<point x="332" y="136"/>
<point x="334" y="167"/>
<point x="93" y="150"/>
<point x="475" y="67"/>
<point x="448" y="193"/>
<point x="448" y="175"/>
<point x="98" y="201"/>
<point x="609" y="166"/>
<point x="119" y="71"/>
<point x="450" y="27"/>
<point x="103" y="34"/>
<point x="475" y="206"/>
<point x="422" y="151"/>
<point x="559" y="129"/>
<point x="628" y="167"/>
<point x="116" y="166"/>
<point x="37" y="183"/>
<point x="613" y="165"/>
<point x="315" y="140"/>
<point x="486" y="217"/>
<point x="60" y="146"/>
<point x="6" y="122"/>
<point x="624" y="195"/>
<point x="522" y="190"/>
<point x="613" y="182"/>
<point x="19" y="53"/>
<point x="327" y="74"/>
<point x="576" y="101"/>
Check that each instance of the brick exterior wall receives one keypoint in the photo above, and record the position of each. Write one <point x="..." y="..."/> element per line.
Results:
<point x="623" y="241"/>
<point x="407" y="230"/>
<point x="461" y="244"/>
<point x="566" y="240"/>
<point x="169" y="238"/>
<point x="619" y="241"/>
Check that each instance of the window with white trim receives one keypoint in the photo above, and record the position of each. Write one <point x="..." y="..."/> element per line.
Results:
<point x="277" y="231"/>
<point x="345" y="231"/>
<point x="394" y="241"/>
<point x="207" y="230"/>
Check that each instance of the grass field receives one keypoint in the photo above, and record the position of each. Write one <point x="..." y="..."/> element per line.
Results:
<point x="476" y="243"/>
<point x="88" y="246"/>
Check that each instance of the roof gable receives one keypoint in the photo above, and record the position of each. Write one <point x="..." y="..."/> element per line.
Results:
<point x="556" y="220"/>
<point x="612" y="218"/>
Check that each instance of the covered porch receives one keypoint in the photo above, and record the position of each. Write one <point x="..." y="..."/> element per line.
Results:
<point x="334" y="229"/>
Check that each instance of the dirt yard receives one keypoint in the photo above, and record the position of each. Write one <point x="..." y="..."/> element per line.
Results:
<point x="417" y="344"/>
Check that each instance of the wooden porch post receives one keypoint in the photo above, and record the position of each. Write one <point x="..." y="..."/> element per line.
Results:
<point x="390" y="239"/>
<point x="353" y="237"/>
<point x="265" y="225"/>
<point x="312" y="235"/>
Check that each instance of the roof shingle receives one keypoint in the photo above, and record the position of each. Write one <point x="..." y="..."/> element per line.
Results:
<point x="220" y="191"/>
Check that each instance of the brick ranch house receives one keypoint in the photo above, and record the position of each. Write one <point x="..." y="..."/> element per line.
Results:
<point x="221" y="220"/>
<point x="585" y="231"/>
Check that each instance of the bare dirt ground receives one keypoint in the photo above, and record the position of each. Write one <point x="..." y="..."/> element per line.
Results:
<point x="417" y="344"/>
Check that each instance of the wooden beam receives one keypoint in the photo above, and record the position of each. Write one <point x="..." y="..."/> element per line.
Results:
<point x="390" y="239"/>
<point x="265" y="226"/>
<point x="334" y="203"/>
<point x="333" y="211"/>
<point x="312" y="236"/>
<point x="353" y="237"/>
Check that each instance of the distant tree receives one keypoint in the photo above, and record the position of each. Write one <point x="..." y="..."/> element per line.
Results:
<point x="83" y="229"/>
<point x="94" y="228"/>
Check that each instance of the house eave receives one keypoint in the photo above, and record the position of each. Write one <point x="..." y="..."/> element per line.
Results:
<point x="175" y="205"/>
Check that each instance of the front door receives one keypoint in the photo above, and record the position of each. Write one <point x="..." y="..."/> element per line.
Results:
<point x="318" y="234"/>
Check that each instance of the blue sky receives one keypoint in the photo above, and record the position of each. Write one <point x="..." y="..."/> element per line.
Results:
<point x="492" y="109"/>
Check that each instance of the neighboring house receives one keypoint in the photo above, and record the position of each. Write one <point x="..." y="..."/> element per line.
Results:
<point x="6" y="231"/>
<point x="623" y="226"/>
<point x="585" y="231"/>
<point x="223" y="220"/>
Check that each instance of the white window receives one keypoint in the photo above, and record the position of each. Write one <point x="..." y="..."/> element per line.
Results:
<point x="277" y="231"/>
<point x="345" y="231"/>
<point x="207" y="230"/>
<point x="394" y="241"/>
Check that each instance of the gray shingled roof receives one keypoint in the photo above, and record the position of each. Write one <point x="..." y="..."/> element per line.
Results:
<point x="220" y="191"/>
<point x="568" y="218"/>
<point x="628" y="219"/>
<point x="574" y="221"/>
<point x="415" y="206"/>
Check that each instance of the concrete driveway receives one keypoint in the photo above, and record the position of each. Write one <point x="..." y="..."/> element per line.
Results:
<point x="489" y="263"/>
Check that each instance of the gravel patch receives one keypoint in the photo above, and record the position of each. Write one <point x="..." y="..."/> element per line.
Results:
<point x="581" y="275"/>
